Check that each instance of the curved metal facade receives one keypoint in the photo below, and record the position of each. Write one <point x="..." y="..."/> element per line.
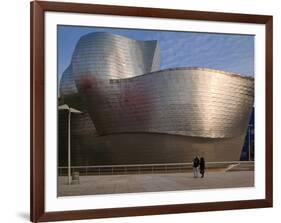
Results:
<point x="116" y="81"/>
<point x="111" y="56"/>
<point x="67" y="83"/>
<point x="190" y="102"/>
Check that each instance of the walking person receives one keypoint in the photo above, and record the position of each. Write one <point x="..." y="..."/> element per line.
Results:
<point x="195" y="166"/>
<point x="202" y="166"/>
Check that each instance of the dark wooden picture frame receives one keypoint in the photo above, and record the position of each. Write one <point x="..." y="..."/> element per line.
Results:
<point x="37" y="199"/>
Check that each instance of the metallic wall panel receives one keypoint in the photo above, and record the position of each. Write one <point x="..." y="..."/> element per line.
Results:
<point x="141" y="148"/>
<point x="117" y="83"/>
<point x="188" y="101"/>
<point x="67" y="83"/>
<point x="110" y="56"/>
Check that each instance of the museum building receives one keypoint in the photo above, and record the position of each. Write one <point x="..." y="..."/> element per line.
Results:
<point x="135" y="113"/>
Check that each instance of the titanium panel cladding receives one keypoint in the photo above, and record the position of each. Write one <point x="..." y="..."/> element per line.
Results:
<point x="188" y="101"/>
<point x="111" y="56"/>
<point x="118" y="84"/>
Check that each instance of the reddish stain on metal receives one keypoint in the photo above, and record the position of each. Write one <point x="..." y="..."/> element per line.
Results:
<point x="88" y="82"/>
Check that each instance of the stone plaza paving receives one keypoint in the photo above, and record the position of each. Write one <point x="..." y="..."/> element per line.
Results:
<point x="112" y="184"/>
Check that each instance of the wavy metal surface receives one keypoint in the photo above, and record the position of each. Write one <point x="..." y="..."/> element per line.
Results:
<point x="67" y="83"/>
<point x="184" y="101"/>
<point x="110" y="56"/>
<point x="190" y="102"/>
<point x="116" y="81"/>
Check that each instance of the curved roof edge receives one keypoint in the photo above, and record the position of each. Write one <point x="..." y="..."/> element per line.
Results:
<point x="199" y="68"/>
<point x="113" y="35"/>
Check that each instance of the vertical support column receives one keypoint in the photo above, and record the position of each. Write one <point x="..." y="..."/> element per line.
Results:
<point x="249" y="142"/>
<point x="69" y="155"/>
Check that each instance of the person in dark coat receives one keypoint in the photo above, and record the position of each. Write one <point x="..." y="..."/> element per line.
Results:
<point x="202" y="166"/>
<point x="195" y="166"/>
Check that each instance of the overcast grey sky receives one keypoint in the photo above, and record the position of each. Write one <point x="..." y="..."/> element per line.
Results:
<point x="233" y="53"/>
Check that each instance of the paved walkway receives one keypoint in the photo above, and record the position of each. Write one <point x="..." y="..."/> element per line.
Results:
<point x="111" y="184"/>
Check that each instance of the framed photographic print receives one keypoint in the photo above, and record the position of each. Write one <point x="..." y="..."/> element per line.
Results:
<point x="144" y="111"/>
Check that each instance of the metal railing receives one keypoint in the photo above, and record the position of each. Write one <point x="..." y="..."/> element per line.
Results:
<point x="144" y="168"/>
